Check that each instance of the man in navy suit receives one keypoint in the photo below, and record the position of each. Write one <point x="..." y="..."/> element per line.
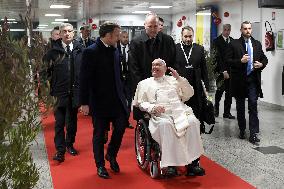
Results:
<point x="101" y="82"/>
<point x="247" y="60"/>
<point x="85" y="39"/>
<point x="220" y="44"/>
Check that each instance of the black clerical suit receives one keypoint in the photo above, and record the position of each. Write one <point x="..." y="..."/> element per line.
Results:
<point x="220" y="46"/>
<point x="194" y="71"/>
<point x="101" y="82"/>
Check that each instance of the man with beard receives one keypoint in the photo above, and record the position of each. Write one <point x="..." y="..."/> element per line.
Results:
<point x="246" y="59"/>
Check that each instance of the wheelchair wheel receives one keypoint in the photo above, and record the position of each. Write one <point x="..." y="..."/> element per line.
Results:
<point x="142" y="144"/>
<point x="154" y="169"/>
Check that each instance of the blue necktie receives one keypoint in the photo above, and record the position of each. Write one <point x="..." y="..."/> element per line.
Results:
<point x="249" y="65"/>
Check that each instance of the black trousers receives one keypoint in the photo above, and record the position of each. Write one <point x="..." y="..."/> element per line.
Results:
<point x="65" y="114"/>
<point x="252" y="109"/>
<point x="100" y="125"/>
<point x="225" y="86"/>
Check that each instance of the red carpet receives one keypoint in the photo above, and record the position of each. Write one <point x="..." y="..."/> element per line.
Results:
<point x="79" y="172"/>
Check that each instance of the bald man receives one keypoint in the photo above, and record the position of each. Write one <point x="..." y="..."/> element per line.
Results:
<point x="148" y="46"/>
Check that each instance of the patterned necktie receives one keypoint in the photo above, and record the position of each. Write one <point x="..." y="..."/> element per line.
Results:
<point x="68" y="50"/>
<point x="249" y="51"/>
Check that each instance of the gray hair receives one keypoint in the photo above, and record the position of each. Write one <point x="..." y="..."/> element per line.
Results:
<point x="227" y="26"/>
<point x="151" y="14"/>
<point x="63" y="25"/>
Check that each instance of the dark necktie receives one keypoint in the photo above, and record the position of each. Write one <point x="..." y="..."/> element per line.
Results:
<point x="227" y="40"/>
<point x="124" y="64"/>
<point x="249" y="51"/>
<point x="68" y="50"/>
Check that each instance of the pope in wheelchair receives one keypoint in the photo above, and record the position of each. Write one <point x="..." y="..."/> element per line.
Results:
<point x="172" y="123"/>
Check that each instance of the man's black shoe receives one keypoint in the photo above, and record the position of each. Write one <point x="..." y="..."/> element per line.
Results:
<point x="72" y="151"/>
<point x="242" y="135"/>
<point x="195" y="170"/>
<point x="253" y="139"/>
<point x="130" y="126"/>
<point x="113" y="163"/>
<point x="171" y="171"/>
<point x="102" y="172"/>
<point x="229" y="116"/>
<point x="59" y="156"/>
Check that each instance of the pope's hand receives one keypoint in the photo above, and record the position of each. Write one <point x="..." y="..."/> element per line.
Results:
<point x="174" y="73"/>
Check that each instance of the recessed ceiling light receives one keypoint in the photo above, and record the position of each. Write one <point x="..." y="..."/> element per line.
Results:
<point x="61" y="19"/>
<point x="141" y="12"/>
<point x="160" y="7"/>
<point x="52" y="15"/>
<point x="59" y="6"/>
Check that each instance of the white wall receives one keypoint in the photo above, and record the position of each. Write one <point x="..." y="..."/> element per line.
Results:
<point x="190" y="20"/>
<point x="248" y="10"/>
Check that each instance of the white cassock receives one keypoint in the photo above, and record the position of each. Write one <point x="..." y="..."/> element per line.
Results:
<point x="177" y="130"/>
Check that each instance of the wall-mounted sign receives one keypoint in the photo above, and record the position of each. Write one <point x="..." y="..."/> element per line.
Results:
<point x="279" y="39"/>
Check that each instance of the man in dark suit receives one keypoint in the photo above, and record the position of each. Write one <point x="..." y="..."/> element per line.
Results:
<point x="85" y="39"/>
<point x="220" y="45"/>
<point x="123" y="48"/>
<point x="191" y="64"/>
<point x="101" y="82"/>
<point x="148" y="46"/>
<point x="64" y="60"/>
<point x="246" y="59"/>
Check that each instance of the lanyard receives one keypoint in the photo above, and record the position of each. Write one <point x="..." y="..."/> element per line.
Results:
<point x="186" y="57"/>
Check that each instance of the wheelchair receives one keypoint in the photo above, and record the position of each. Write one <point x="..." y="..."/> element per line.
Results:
<point x="147" y="150"/>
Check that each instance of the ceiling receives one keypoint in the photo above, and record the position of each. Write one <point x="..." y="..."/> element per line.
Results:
<point x="81" y="9"/>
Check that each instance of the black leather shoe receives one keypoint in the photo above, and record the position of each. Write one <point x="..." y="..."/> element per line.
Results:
<point x="130" y="126"/>
<point x="229" y="116"/>
<point x="72" y="151"/>
<point x="253" y="139"/>
<point x="102" y="172"/>
<point x="195" y="170"/>
<point x="113" y="163"/>
<point x="242" y="135"/>
<point x="59" y="156"/>
<point x="171" y="171"/>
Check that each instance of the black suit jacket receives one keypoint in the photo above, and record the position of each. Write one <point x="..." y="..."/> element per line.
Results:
<point x="89" y="42"/>
<point x="141" y="58"/>
<point x="220" y="46"/>
<point x="197" y="60"/>
<point x="236" y="50"/>
<point x="100" y="81"/>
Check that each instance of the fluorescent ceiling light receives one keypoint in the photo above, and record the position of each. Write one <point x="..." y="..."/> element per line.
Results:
<point x="160" y="7"/>
<point x="42" y="25"/>
<point x="59" y="6"/>
<point x="9" y="19"/>
<point x="17" y="29"/>
<point x="56" y="22"/>
<point x="141" y="12"/>
<point x="52" y="15"/>
<point x="204" y="13"/>
<point x="12" y="22"/>
<point x="61" y="19"/>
